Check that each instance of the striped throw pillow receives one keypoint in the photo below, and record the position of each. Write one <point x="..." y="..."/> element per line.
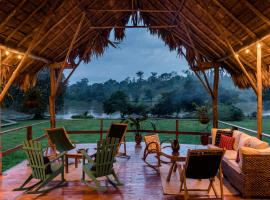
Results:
<point x="226" y="142"/>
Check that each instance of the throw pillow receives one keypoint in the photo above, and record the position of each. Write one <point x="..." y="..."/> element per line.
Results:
<point x="222" y="132"/>
<point x="226" y="142"/>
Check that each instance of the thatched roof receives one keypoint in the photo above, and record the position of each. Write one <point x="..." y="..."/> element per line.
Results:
<point x="202" y="31"/>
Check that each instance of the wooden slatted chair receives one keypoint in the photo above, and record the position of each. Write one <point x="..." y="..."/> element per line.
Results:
<point x="118" y="130"/>
<point x="153" y="146"/>
<point x="59" y="140"/>
<point x="102" y="166"/>
<point x="202" y="164"/>
<point x="43" y="169"/>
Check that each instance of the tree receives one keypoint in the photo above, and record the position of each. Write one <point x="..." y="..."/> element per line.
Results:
<point x="140" y="75"/>
<point x="118" y="101"/>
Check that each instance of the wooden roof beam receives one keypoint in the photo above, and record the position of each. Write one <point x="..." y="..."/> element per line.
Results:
<point x="30" y="55"/>
<point x="26" y="20"/>
<point x="257" y="12"/>
<point x="206" y="27"/>
<point x="253" y="35"/>
<point x="197" y="29"/>
<point x="17" y="7"/>
<point x="248" y="45"/>
<point x="219" y="25"/>
<point x="132" y="10"/>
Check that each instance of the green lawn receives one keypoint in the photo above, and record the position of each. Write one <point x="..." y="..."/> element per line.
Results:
<point x="15" y="138"/>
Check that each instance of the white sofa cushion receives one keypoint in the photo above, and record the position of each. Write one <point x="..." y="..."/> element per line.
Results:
<point x="236" y="135"/>
<point x="243" y="140"/>
<point x="230" y="155"/>
<point x="255" y="143"/>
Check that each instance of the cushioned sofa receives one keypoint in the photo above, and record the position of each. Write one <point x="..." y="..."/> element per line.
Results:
<point x="250" y="173"/>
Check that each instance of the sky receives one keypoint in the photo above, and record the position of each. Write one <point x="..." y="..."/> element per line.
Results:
<point x="139" y="51"/>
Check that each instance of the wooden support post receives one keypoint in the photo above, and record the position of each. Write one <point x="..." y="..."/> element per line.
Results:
<point x="215" y="98"/>
<point x="177" y="129"/>
<point x="259" y="91"/>
<point x="29" y="135"/>
<point x="52" y="98"/>
<point x="1" y="155"/>
<point x="101" y="129"/>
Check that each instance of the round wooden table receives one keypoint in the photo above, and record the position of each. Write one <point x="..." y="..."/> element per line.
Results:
<point x="175" y="157"/>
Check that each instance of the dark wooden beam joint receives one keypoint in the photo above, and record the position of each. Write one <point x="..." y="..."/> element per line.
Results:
<point x="202" y="66"/>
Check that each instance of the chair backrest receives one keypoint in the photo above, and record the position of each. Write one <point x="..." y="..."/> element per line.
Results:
<point x="59" y="138"/>
<point x="117" y="130"/>
<point x="106" y="151"/>
<point x="35" y="158"/>
<point x="203" y="164"/>
<point x="152" y="138"/>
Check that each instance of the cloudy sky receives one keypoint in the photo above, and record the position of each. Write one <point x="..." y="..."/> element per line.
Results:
<point x="139" y="51"/>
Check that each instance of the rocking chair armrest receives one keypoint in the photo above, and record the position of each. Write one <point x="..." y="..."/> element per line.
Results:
<point x="86" y="156"/>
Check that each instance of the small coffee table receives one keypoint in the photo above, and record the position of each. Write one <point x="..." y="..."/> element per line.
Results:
<point x="179" y="156"/>
<point x="75" y="155"/>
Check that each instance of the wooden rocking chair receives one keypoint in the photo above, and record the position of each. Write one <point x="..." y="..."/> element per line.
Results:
<point x="42" y="169"/>
<point x="59" y="140"/>
<point x="153" y="146"/>
<point x="102" y="165"/>
<point x="118" y="130"/>
<point x="202" y="164"/>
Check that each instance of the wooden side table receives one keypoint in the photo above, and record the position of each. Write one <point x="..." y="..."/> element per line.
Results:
<point x="76" y="156"/>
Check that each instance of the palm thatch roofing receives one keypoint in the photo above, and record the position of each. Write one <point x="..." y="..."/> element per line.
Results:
<point x="205" y="32"/>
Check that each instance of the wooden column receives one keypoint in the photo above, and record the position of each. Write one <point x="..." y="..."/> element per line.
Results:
<point x="0" y="115"/>
<point x="215" y="97"/>
<point x="52" y="97"/>
<point x="259" y="91"/>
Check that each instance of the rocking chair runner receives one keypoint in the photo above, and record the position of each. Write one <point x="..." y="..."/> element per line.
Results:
<point x="202" y="164"/>
<point x="153" y="146"/>
<point x="102" y="165"/>
<point x="59" y="140"/>
<point x="42" y="169"/>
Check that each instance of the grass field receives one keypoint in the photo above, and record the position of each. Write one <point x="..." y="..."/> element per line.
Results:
<point x="15" y="138"/>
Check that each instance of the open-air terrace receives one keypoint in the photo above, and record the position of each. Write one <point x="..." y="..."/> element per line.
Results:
<point x="169" y="158"/>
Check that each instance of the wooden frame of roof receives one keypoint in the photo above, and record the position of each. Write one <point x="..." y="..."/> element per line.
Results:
<point x="208" y="33"/>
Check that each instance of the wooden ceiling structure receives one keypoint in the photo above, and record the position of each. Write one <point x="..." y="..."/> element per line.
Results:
<point x="233" y="35"/>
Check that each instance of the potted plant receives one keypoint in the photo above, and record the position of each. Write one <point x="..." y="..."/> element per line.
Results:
<point x="135" y="122"/>
<point x="202" y="114"/>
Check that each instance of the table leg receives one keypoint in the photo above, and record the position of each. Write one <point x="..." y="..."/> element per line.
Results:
<point x="66" y="164"/>
<point x="175" y="167"/>
<point x="170" y="171"/>
<point x="76" y="162"/>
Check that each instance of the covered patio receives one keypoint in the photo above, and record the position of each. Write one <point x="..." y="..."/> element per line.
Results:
<point x="216" y="35"/>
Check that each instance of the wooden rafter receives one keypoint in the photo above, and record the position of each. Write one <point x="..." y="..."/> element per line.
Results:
<point x="132" y="10"/>
<point x="243" y="26"/>
<point x="197" y="21"/>
<point x="68" y="52"/>
<point x="251" y="81"/>
<point x="203" y="35"/>
<point x="33" y="56"/>
<point x="16" y="9"/>
<point x="26" y="20"/>
<point x="257" y="12"/>
<point x="217" y="24"/>
<point x="25" y="56"/>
